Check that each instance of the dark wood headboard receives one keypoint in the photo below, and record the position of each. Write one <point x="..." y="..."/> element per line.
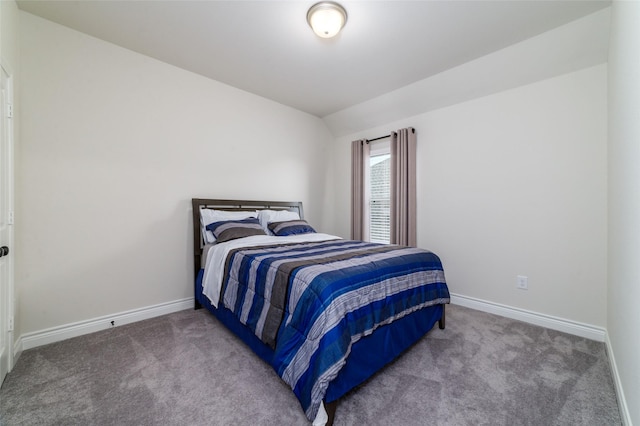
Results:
<point x="230" y="205"/>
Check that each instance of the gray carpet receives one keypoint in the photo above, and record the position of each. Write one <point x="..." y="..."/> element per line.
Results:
<point x="187" y="369"/>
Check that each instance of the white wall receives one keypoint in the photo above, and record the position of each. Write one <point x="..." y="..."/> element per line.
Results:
<point x="623" y="315"/>
<point x="114" y="147"/>
<point x="513" y="183"/>
<point x="9" y="32"/>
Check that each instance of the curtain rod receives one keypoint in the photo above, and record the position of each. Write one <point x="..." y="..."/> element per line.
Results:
<point x="378" y="138"/>
<point x="387" y="136"/>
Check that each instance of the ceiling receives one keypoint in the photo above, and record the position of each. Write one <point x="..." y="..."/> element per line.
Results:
<point x="266" y="47"/>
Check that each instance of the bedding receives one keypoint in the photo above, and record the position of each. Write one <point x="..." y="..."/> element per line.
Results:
<point x="326" y="313"/>
<point x="311" y="300"/>
<point x="215" y="256"/>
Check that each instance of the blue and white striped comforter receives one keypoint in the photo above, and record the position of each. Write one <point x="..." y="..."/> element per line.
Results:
<point x="312" y="301"/>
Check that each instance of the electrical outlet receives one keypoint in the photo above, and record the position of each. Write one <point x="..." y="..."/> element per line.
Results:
<point x="522" y="282"/>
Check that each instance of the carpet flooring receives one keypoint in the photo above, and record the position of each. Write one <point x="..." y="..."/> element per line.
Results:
<point x="187" y="369"/>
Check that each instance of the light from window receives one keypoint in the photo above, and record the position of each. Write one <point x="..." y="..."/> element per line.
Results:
<point x="380" y="199"/>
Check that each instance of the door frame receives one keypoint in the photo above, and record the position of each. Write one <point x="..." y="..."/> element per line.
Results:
<point x="7" y="307"/>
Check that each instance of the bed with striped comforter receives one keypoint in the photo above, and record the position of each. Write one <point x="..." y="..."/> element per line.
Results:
<point x="312" y="301"/>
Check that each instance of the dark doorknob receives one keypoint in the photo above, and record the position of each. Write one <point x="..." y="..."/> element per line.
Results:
<point x="4" y="250"/>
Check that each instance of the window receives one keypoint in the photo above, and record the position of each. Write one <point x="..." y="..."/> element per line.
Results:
<point x="376" y="216"/>
<point x="379" y="192"/>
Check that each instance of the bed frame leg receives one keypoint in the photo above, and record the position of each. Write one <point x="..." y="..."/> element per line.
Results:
<point x="442" y="319"/>
<point x="330" y="408"/>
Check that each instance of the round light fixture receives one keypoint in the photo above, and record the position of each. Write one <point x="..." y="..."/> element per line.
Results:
<point x="326" y="18"/>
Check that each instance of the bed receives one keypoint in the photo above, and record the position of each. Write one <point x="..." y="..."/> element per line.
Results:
<point x="324" y="312"/>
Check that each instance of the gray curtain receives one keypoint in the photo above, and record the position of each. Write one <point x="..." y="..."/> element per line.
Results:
<point x="359" y="189"/>
<point x="403" y="187"/>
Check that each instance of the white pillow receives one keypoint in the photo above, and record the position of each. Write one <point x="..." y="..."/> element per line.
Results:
<point x="208" y="216"/>
<point x="267" y="216"/>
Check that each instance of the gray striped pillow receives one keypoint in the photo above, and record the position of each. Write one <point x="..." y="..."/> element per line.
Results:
<point x="228" y="230"/>
<point x="291" y="227"/>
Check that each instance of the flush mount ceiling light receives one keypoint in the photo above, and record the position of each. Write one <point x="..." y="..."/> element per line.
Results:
<point x="326" y="18"/>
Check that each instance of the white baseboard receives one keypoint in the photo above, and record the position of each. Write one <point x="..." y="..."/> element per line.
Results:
<point x="56" y="334"/>
<point x="622" y="402"/>
<point x="548" y="321"/>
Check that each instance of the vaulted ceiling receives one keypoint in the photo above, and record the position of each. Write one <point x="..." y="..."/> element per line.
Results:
<point x="267" y="48"/>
